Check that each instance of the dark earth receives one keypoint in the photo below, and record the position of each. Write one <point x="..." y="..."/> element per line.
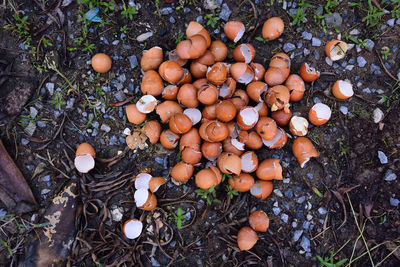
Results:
<point x="342" y="209"/>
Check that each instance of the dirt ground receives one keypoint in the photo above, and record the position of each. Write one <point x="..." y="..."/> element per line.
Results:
<point x="343" y="206"/>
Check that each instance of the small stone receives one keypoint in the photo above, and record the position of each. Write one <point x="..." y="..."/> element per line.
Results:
<point x="24" y="141"/>
<point x="344" y="110"/>
<point x="301" y="199"/>
<point x="50" y="88"/>
<point x="305" y="243"/>
<point x="394" y="202"/>
<point x="154" y="262"/>
<point x="369" y="45"/>
<point x="122" y="78"/>
<point x="390" y="176"/>
<point x="382" y="157"/>
<point x="361" y="61"/>
<point x="366" y="90"/>
<point x="278" y="192"/>
<point x="115" y="42"/>
<point x="316" y="55"/>
<point x="44" y="191"/>
<point x="287" y="47"/>
<point x="120" y="96"/>
<point x="105" y="127"/>
<point x="296" y="235"/>
<point x="133" y="61"/>
<point x="166" y="10"/>
<point x="289" y="193"/>
<point x="210" y="4"/>
<point x="306" y="35"/>
<point x="116" y="215"/>
<point x="306" y="52"/>
<point x="322" y="211"/>
<point x="225" y="12"/>
<point x="333" y="19"/>
<point x="328" y="61"/>
<point x="285" y="217"/>
<point x="30" y="128"/>
<point x="276" y="210"/>
<point x="172" y="20"/>
<point x="355" y="32"/>
<point x="41" y="124"/>
<point x="377" y="115"/>
<point x="144" y="36"/>
<point x="186" y="10"/>
<point x="316" y="100"/>
<point x="375" y="69"/>
<point x="316" y="42"/>
<point x="199" y="19"/>
<point x="390" y="22"/>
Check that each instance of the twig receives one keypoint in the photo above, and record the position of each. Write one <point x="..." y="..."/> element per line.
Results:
<point x="384" y="67"/>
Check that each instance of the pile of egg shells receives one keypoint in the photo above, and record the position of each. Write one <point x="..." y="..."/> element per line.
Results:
<point x="219" y="111"/>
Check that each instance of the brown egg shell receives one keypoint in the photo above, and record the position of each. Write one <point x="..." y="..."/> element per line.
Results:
<point x="152" y="83"/>
<point x="167" y="109"/>
<point x="266" y="127"/>
<point x="234" y="30"/>
<point x="187" y="96"/>
<point x="152" y="129"/>
<point x="269" y="169"/>
<point x="241" y="183"/>
<point x="151" y="59"/>
<point x="101" y="63"/>
<point x="246" y="238"/>
<point x="259" y="221"/>
<point x="134" y="115"/>
<point x="219" y="50"/>
<point x="182" y="172"/>
<point x="272" y="28"/>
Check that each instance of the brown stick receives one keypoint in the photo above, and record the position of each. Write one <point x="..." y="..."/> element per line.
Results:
<point x="12" y="180"/>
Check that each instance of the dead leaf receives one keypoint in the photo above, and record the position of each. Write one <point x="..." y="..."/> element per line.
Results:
<point x="340" y="198"/>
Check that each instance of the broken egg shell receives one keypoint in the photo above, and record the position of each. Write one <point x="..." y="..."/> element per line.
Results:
<point x="169" y="139"/>
<point x="225" y="111"/>
<point x="198" y="69"/>
<point x="247" y="118"/>
<point x="227" y="89"/>
<point x="170" y="71"/>
<point x="228" y="146"/>
<point x="308" y="73"/>
<point x="273" y="28"/>
<point x="142" y="180"/>
<point x="229" y="163"/>
<point x="170" y="92"/>
<point x="269" y="169"/>
<point x="241" y="183"/>
<point x="259" y="221"/>
<point x="186" y="78"/>
<point x="207" y="58"/>
<point x="276" y="76"/>
<point x="84" y="163"/>
<point x="258" y="70"/>
<point x="194" y="115"/>
<point x="342" y="89"/>
<point x="132" y="228"/>
<point x="266" y="127"/>
<point x="216" y="131"/>
<point x="173" y="56"/>
<point x="167" y="109"/>
<point x="319" y="114"/>
<point x="296" y="86"/>
<point x="219" y="50"/>
<point x="254" y="141"/>
<point x="205" y="179"/>
<point x="182" y="172"/>
<point x="280" y="61"/>
<point x="281" y="117"/>
<point x="192" y="154"/>
<point x="242" y="72"/>
<point x="155" y="183"/>
<point x="192" y="48"/>
<point x="145" y="200"/>
<point x="303" y="150"/>
<point x="262" y="109"/>
<point x="278" y="141"/>
<point x="249" y="161"/>
<point x="85" y="149"/>
<point x="195" y="28"/>
<point x="244" y="53"/>
<point x="211" y="150"/>
<point x="207" y="94"/>
<point x="255" y="90"/>
<point x="187" y="96"/>
<point x="234" y="30"/>
<point x="217" y="73"/>
<point x="336" y="49"/>
<point x="262" y="189"/>
<point x="146" y="104"/>
<point x="152" y="83"/>
<point x="190" y="139"/>
<point x="151" y="59"/>
<point x="152" y="129"/>
<point x="210" y="112"/>
<point x="278" y="97"/>
<point x="298" y="126"/>
<point x="134" y="115"/>
<point x="246" y="238"/>
<point x="180" y="123"/>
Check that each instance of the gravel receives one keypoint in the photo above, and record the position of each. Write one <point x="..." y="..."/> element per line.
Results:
<point x="333" y="19"/>
<point x="166" y="10"/>
<point x="382" y="157"/>
<point x="369" y="45"/>
<point x="144" y="36"/>
<point x="344" y="110"/>
<point x="172" y="20"/>
<point x="287" y="47"/>
<point x="305" y="243"/>
<point x="276" y="210"/>
<point x="322" y="211"/>
<point x="394" y="202"/>
<point x="30" y="128"/>
<point x="105" y="127"/>
<point x="375" y="69"/>
<point x="225" y="12"/>
<point x="285" y="217"/>
<point x="390" y="22"/>
<point x="133" y="61"/>
<point x="50" y="88"/>
<point x="289" y="193"/>
<point x="296" y="235"/>
<point x="120" y="96"/>
<point x="390" y="176"/>
<point x="361" y="61"/>
<point x="328" y="61"/>
<point x="316" y="42"/>
<point x="355" y="32"/>
<point x="306" y="35"/>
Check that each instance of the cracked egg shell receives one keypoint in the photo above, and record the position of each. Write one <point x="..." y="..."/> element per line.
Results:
<point x="266" y="127"/>
<point x="194" y="115"/>
<point x="187" y="96"/>
<point x="211" y="150"/>
<point x="258" y="70"/>
<point x="241" y="183"/>
<point x="298" y="126"/>
<point x="238" y="102"/>
<point x="198" y="69"/>
<point x="169" y="139"/>
<point x="132" y="228"/>
<point x="155" y="183"/>
<point x="243" y="136"/>
<point x="217" y="131"/>
<point x="152" y="129"/>
<point x="259" y="221"/>
<point x="182" y="172"/>
<point x="234" y="30"/>
<point x="146" y="104"/>
<point x="219" y="50"/>
<point x="142" y="180"/>
<point x="152" y="58"/>
<point x="243" y="95"/>
<point x="207" y="94"/>
<point x="167" y="109"/>
<point x="342" y="89"/>
<point x="134" y="115"/>
<point x="85" y="149"/>
<point x="296" y="86"/>
<point x="227" y="88"/>
<point x="336" y="49"/>
<point x="170" y="92"/>
<point x="202" y="130"/>
<point x="195" y="28"/>
<point x="262" y="189"/>
<point x="247" y="118"/>
<point x="192" y="48"/>
<point x="101" y="63"/>
<point x="209" y="112"/>
<point x="275" y="76"/>
<point x="192" y="154"/>
<point x="262" y="109"/>
<point x="145" y="200"/>
<point x="180" y="123"/>
<point x="269" y="169"/>
<point x="319" y="114"/>
<point x="244" y="53"/>
<point x="84" y="160"/>
<point x="207" y="58"/>
<point x="173" y="56"/>
<point x="229" y="163"/>
<point x="232" y="145"/>
<point x="246" y="238"/>
<point x="277" y="98"/>
<point x="207" y="178"/>
<point x="199" y="83"/>
<point x="225" y="111"/>
<point x="217" y="73"/>
<point x="249" y="161"/>
<point x="255" y="90"/>
<point x="152" y="83"/>
<point x="280" y="61"/>
<point x="170" y="71"/>
<point x="278" y="141"/>
<point x="308" y="73"/>
<point x="254" y="141"/>
<point x="273" y="28"/>
<point x="190" y="139"/>
<point x="303" y="150"/>
<point x="281" y="117"/>
<point x="186" y="78"/>
<point x="242" y="72"/>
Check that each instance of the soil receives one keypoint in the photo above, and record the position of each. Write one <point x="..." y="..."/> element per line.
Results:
<point x="315" y="211"/>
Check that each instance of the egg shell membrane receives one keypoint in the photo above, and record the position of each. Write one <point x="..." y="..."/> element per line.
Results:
<point x="171" y="138"/>
<point x="228" y="147"/>
<point x="246" y="238"/>
<point x="322" y="111"/>
<point x="150" y="204"/>
<point x="84" y="163"/>
<point x="173" y="56"/>
<point x="142" y="181"/>
<point x="132" y="228"/>
<point x="194" y="115"/>
<point x="249" y="116"/>
<point x="345" y="88"/>
<point x="244" y="53"/>
<point x="298" y="126"/>
<point x="259" y="221"/>
<point x="249" y="161"/>
<point x="141" y="196"/>
<point x="146" y="104"/>
<point x="155" y="183"/>
<point x="269" y="169"/>
<point x="337" y="50"/>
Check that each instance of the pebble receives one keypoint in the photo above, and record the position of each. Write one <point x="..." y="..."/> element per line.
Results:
<point x="278" y="192"/>
<point x="115" y="42"/>
<point x="390" y="22"/>
<point x="199" y="19"/>
<point x="322" y="211"/>
<point x="394" y="202"/>
<point x="361" y="61"/>
<point x="172" y="20"/>
<point x="375" y="69"/>
<point x="30" y="128"/>
<point x="296" y="235"/>
<point x="306" y="35"/>
<point x="50" y="88"/>
<point x="133" y="61"/>
<point x="44" y="191"/>
<point x="344" y="110"/>
<point x="333" y="19"/>
<point x="154" y="262"/>
<point x="166" y="10"/>
<point x="144" y="36"/>
<point x="316" y="42"/>
<point x="225" y="12"/>
<point x="301" y="199"/>
<point x="306" y="225"/>
<point x="377" y="115"/>
<point x="382" y="157"/>
<point x="285" y="217"/>
<point x="276" y="210"/>
<point x="316" y="100"/>
<point x="186" y="10"/>
<point x="390" y="176"/>
<point x="287" y="47"/>
<point x="369" y="45"/>
<point x="316" y="55"/>
<point x="24" y="141"/>
<point x="41" y="124"/>
<point x="328" y="61"/>
<point x="289" y="193"/>
<point x="355" y="32"/>
<point x="305" y="243"/>
<point x="105" y="127"/>
<point x="306" y="52"/>
<point x="120" y="96"/>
